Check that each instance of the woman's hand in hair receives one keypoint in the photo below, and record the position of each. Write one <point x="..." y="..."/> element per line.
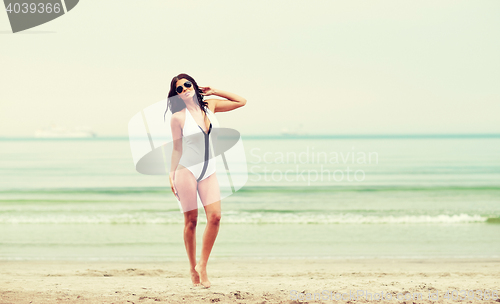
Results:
<point x="207" y="91"/>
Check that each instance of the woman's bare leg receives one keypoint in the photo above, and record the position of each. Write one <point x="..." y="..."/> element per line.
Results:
<point x="185" y="184"/>
<point x="190" y="221"/>
<point x="209" y="192"/>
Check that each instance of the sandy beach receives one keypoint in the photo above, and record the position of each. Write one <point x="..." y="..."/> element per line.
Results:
<point x="245" y="281"/>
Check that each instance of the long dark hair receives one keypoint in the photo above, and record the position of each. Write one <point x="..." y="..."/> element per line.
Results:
<point x="175" y="103"/>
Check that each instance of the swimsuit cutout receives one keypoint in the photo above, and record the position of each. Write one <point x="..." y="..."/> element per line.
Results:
<point x="197" y="154"/>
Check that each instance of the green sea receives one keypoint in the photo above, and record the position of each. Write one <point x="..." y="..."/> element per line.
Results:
<point x="306" y="197"/>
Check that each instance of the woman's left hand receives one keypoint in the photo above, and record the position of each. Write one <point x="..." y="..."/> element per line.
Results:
<point x="207" y="91"/>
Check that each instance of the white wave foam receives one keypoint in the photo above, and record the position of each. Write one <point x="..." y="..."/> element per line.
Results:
<point x="244" y="218"/>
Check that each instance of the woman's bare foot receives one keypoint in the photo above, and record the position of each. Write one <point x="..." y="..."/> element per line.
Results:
<point x="195" y="278"/>
<point x="202" y="271"/>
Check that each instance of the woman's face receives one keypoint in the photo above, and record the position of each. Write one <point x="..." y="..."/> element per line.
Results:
<point x="186" y="93"/>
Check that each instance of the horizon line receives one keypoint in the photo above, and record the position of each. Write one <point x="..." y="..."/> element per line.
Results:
<point x="288" y="136"/>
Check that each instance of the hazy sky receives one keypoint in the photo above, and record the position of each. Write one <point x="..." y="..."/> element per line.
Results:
<point x="337" y="67"/>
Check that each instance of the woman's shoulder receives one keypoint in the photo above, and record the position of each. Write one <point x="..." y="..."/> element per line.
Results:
<point x="211" y="104"/>
<point x="178" y="117"/>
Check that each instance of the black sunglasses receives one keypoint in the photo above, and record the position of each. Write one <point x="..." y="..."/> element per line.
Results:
<point x="187" y="84"/>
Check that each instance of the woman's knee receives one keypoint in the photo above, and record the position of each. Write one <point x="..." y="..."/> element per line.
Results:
<point x="214" y="217"/>
<point x="191" y="220"/>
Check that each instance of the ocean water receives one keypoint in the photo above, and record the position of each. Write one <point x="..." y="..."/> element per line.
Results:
<point x="330" y="197"/>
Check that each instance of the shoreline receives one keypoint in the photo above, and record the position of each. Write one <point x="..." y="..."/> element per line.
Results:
<point x="240" y="280"/>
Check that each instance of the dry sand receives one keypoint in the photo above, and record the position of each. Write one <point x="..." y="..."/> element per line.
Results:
<point x="245" y="281"/>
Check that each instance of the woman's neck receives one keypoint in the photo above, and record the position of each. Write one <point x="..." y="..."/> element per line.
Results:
<point x="191" y="106"/>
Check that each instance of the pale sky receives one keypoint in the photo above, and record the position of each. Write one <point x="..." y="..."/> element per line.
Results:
<point x="330" y="67"/>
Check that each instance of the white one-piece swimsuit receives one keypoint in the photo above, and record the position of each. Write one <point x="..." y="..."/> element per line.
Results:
<point x="197" y="151"/>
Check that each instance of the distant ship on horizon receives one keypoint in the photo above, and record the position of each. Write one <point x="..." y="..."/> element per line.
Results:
<point x="55" y="131"/>
<point x="297" y="131"/>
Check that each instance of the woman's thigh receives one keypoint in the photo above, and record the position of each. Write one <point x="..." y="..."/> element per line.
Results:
<point x="209" y="191"/>
<point x="186" y="185"/>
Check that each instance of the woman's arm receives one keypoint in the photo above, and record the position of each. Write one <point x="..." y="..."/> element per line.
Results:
<point x="231" y="102"/>
<point x="175" y="126"/>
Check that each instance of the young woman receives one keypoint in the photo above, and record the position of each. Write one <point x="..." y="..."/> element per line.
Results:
<point x="192" y="168"/>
